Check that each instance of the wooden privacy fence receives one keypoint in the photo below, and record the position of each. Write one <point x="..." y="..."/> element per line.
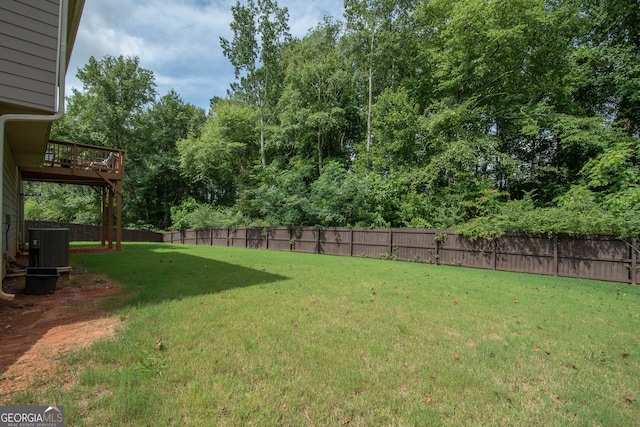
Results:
<point x="591" y="257"/>
<point x="91" y="233"/>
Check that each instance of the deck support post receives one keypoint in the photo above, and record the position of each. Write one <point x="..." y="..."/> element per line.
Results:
<point x="110" y="218"/>
<point x="119" y="216"/>
<point x="103" y="215"/>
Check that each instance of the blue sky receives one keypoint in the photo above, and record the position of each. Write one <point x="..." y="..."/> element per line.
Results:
<point x="176" y="39"/>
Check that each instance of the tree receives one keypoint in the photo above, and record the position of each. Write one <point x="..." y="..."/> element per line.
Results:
<point x="117" y="108"/>
<point x="217" y="162"/>
<point x="106" y="112"/>
<point x="259" y="33"/>
<point x="502" y="70"/>
<point x="46" y="201"/>
<point x="398" y="134"/>
<point x="115" y="91"/>
<point x="607" y="62"/>
<point x="154" y="177"/>
<point x="381" y="25"/>
<point x="312" y="110"/>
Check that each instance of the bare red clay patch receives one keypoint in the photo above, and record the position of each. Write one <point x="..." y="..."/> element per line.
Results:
<point x="36" y="329"/>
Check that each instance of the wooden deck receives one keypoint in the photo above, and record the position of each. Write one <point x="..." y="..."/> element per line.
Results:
<point x="101" y="168"/>
<point x="79" y="164"/>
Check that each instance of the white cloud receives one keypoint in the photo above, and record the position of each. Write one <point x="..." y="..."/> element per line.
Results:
<point x="176" y="39"/>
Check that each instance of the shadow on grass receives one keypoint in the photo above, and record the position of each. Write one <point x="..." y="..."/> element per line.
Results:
<point x="148" y="273"/>
<point x="153" y="273"/>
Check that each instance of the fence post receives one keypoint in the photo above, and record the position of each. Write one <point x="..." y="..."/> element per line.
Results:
<point x="266" y="237"/>
<point x="318" y="243"/>
<point x="555" y="255"/>
<point x="210" y="236"/>
<point x="390" y="242"/>
<point x="351" y="241"/>
<point x="634" y="261"/>
<point x="246" y="237"/>
<point x="494" y="261"/>
<point x="196" y="231"/>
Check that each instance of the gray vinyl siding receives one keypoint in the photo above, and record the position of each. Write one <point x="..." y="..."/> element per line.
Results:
<point x="28" y="50"/>
<point x="10" y="203"/>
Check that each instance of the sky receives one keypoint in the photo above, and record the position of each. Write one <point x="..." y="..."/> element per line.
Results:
<point x="178" y="40"/>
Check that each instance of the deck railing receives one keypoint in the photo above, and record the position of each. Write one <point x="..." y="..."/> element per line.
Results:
<point x="84" y="157"/>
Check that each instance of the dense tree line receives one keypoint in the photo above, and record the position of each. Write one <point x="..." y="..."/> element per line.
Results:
<point x="485" y="116"/>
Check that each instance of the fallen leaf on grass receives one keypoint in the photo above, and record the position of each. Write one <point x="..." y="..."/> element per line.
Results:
<point x="455" y="356"/>
<point x="427" y="399"/>
<point x="515" y="301"/>
<point x="630" y="399"/>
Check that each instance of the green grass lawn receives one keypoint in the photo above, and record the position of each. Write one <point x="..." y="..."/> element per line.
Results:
<point x="270" y="338"/>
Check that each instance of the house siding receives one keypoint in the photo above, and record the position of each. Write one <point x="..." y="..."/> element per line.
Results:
<point x="28" y="51"/>
<point x="10" y="200"/>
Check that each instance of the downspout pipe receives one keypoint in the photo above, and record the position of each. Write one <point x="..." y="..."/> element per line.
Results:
<point x="61" y="71"/>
